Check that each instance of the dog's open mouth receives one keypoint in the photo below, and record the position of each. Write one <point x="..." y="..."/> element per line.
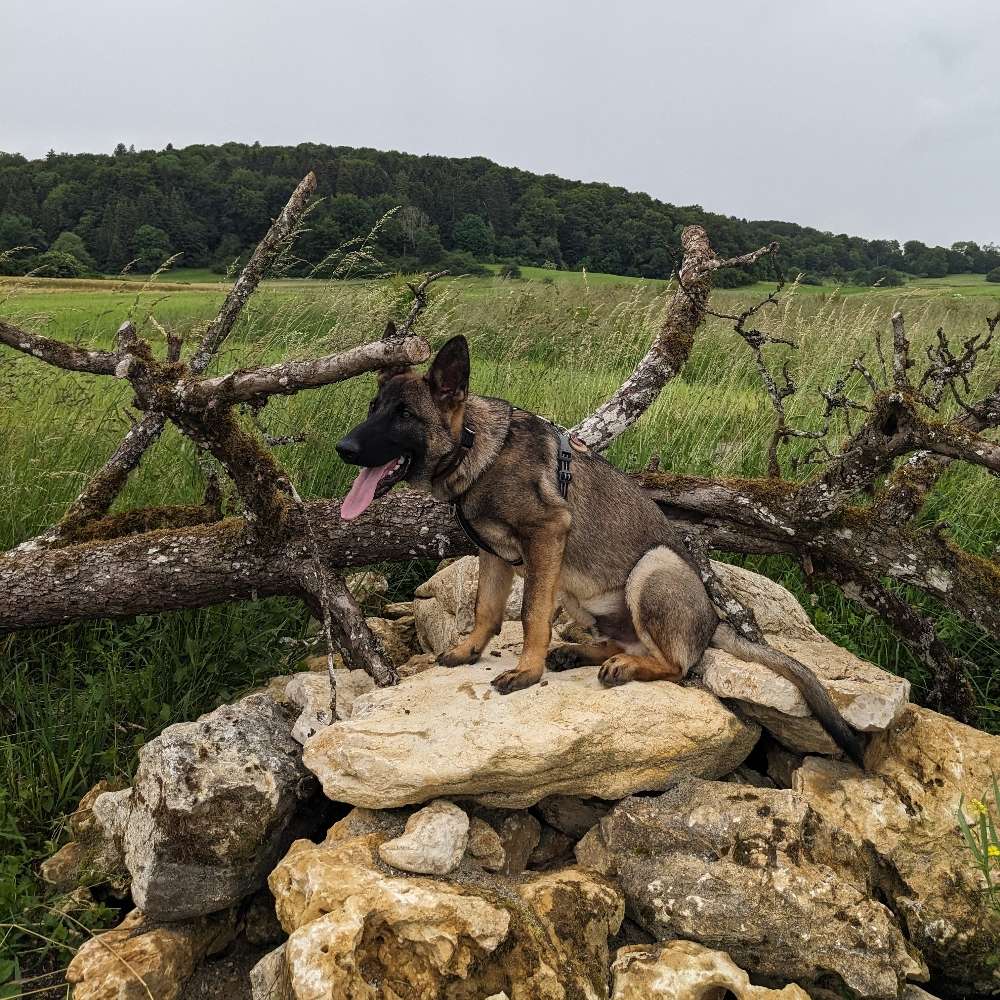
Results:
<point x="372" y="483"/>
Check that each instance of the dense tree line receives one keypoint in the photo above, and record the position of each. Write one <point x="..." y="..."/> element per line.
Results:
<point x="90" y="213"/>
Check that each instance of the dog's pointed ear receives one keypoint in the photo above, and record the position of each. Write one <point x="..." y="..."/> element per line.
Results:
<point x="448" y="376"/>
<point x="390" y="331"/>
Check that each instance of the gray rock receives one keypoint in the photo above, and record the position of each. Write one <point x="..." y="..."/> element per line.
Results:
<point x="214" y="805"/>
<point x="571" y="814"/>
<point x="756" y="873"/>
<point x="433" y="842"/>
<point x="554" y="848"/>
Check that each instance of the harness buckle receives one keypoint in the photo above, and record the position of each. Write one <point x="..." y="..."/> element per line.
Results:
<point x="563" y="475"/>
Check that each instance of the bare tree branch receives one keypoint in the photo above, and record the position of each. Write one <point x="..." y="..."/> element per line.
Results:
<point x="95" y="500"/>
<point x="670" y="350"/>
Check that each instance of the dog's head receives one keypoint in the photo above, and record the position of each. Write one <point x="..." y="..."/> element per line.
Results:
<point x="414" y="423"/>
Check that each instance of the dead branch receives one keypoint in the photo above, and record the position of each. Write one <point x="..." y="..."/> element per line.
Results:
<point x="672" y="346"/>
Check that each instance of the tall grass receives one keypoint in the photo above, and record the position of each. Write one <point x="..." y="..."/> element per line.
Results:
<point x="78" y="700"/>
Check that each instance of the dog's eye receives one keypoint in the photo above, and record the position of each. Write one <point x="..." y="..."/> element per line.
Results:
<point x="404" y="412"/>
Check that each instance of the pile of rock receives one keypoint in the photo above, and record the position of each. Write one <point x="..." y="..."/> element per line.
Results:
<point x="566" y="841"/>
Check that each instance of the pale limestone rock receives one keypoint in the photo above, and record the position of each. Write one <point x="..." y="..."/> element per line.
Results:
<point x="759" y="874"/>
<point x="447" y="732"/>
<point x="139" y="959"/>
<point x="485" y="847"/>
<point x="905" y="808"/>
<point x="63" y="871"/>
<point x="269" y="978"/>
<point x="685" y="970"/>
<point x="444" y="609"/>
<point x="455" y="588"/>
<point x="351" y="926"/>
<point x="309" y="692"/>
<point x="433" y="842"/>
<point x="213" y="806"/>
<point x="437" y="630"/>
<point x="398" y="637"/>
<point x="868" y="698"/>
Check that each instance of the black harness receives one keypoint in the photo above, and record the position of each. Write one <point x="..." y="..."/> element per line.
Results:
<point x="564" y="459"/>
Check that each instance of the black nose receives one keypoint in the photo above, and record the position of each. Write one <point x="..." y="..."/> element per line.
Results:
<point x="349" y="450"/>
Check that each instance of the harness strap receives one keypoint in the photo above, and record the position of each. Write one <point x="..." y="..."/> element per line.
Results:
<point x="564" y="477"/>
<point x="476" y="538"/>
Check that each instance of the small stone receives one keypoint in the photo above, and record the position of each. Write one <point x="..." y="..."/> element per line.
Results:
<point x="397" y="636"/>
<point x="366" y="586"/>
<point x="164" y="955"/>
<point x="433" y="841"/>
<point x="418" y="664"/>
<point x="63" y="869"/>
<point x="485" y="847"/>
<point x="519" y="833"/>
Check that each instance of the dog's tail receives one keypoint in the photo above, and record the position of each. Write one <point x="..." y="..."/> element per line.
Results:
<point x="726" y="639"/>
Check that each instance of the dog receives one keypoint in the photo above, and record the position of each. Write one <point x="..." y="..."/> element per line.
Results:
<point x="600" y="548"/>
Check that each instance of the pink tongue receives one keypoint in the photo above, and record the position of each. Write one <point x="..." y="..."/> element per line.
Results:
<point x="363" y="491"/>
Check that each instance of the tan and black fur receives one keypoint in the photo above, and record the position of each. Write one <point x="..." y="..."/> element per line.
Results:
<point x="605" y="553"/>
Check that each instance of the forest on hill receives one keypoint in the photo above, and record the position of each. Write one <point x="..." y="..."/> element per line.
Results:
<point x="93" y="213"/>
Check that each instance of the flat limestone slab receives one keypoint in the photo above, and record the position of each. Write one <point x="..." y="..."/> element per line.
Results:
<point x="869" y="698"/>
<point x="447" y="733"/>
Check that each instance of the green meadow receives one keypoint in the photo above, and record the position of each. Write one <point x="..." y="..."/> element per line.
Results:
<point x="77" y="701"/>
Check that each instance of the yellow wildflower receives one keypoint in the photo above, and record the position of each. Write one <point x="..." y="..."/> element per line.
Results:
<point x="979" y="806"/>
<point x="993" y="851"/>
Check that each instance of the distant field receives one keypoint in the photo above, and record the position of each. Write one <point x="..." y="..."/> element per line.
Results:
<point x="77" y="701"/>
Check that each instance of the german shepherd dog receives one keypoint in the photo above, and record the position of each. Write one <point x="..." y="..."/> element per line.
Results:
<point x="604" y="552"/>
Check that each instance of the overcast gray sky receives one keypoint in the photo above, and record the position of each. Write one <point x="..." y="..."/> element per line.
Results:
<point x="872" y="117"/>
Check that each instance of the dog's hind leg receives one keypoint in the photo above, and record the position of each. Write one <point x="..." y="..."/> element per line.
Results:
<point x="672" y="616"/>
<point x="495" y="580"/>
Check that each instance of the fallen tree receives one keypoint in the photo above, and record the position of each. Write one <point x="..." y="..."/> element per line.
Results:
<point x="852" y="522"/>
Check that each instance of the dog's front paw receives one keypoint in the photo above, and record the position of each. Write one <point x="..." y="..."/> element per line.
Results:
<point x="464" y="652"/>
<point x="515" y="680"/>
<point x="617" y="670"/>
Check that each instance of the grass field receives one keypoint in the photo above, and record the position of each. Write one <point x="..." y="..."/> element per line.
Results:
<point x="77" y="701"/>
